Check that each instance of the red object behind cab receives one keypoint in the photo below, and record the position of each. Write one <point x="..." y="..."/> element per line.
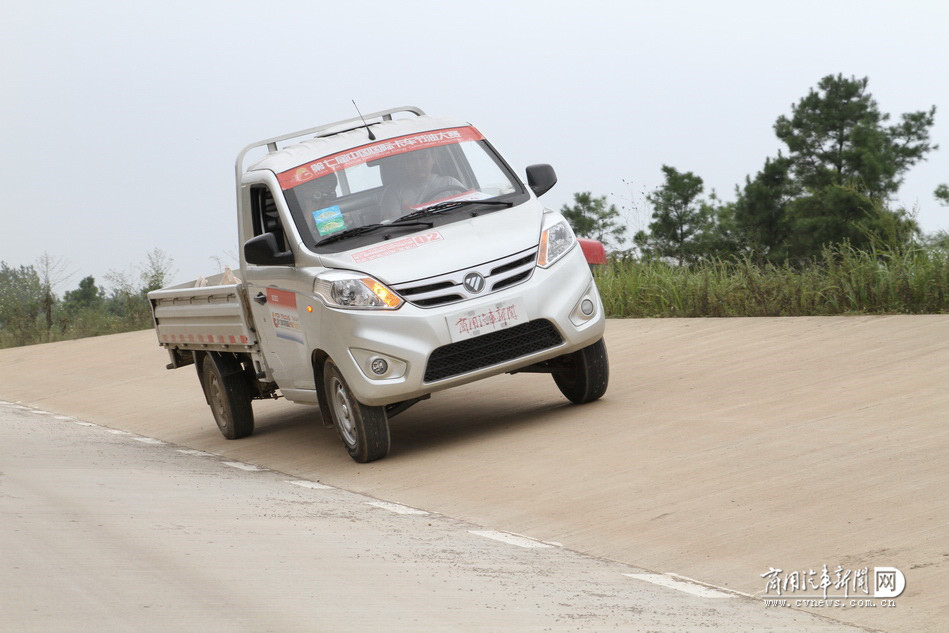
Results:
<point x="593" y="251"/>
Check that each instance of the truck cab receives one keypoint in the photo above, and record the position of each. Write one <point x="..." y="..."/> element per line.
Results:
<point x="389" y="257"/>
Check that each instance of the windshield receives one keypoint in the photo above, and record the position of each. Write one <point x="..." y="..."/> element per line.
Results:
<point x="383" y="181"/>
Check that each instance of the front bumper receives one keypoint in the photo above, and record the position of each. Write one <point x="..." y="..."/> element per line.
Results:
<point x="411" y="333"/>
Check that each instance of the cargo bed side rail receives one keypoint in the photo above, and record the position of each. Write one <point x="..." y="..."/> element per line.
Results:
<point x="210" y="318"/>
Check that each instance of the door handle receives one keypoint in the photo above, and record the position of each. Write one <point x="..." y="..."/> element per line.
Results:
<point x="261" y="298"/>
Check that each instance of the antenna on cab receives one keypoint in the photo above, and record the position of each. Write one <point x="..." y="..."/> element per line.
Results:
<point x="372" y="136"/>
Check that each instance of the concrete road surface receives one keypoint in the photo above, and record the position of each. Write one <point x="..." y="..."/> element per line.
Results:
<point x="105" y="532"/>
<point x="723" y="448"/>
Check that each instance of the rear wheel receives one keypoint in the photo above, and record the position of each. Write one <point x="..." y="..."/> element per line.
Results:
<point x="363" y="429"/>
<point x="229" y="397"/>
<point x="584" y="374"/>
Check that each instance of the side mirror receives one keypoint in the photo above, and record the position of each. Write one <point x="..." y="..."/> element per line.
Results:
<point x="263" y="251"/>
<point x="540" y="178"/>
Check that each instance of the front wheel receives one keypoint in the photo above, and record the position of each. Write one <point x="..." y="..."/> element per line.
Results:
<point x="585" y="374"/>
<point x="363" y="429"/>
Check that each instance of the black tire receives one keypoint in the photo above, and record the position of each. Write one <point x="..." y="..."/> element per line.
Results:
<point x="363" y="429"/>
<point x="225" y="387"/>
<point x="586" y="374"/>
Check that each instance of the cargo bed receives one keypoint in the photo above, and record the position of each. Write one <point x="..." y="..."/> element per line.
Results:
<point x="204" y="315"/>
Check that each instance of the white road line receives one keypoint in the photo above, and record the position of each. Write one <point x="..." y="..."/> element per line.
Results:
<point x="118" y="432"/>
<point x="21" y="407"/>
<point x="705" y="584"/>
<point x="84" y="423"/>
<point x="191" y="451"/>
<point x="396" y="507"/>
<point x="511" y="539"/>
<point x="664" y="580"/>
<point x="62" y="417"/>
<point x="41" y="412"/>
<point x="303" y="483"/>
<point x="243" y="466"/>
<point x="147" y="440"/>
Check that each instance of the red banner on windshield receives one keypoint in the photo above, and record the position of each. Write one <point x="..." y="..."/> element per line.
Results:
<point x="374" y="151"/>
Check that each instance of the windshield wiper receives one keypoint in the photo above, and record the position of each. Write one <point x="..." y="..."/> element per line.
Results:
<point x="368" y="228"/>
<point x="450" y="204"/>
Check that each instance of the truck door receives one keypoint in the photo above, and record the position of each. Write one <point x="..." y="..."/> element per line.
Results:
<point x="275" y="299"/>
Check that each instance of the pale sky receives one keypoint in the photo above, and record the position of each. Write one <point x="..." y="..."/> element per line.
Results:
<point x="121" y="120"/>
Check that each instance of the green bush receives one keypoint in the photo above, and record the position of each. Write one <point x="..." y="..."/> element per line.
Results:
<point x="842" y="280"/>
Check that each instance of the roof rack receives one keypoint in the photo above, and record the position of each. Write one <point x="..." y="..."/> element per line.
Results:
<point x="271" y="143"/>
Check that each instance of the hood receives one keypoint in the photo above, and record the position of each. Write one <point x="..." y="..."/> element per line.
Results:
<point x="445" y="248"/>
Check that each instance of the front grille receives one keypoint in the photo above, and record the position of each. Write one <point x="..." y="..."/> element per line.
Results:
<point x="490" y="349"/>
<point x="437" y="301"/>
<point x="510" y="281"/>
<point x="415" y="290"/>
<point x="517" y="263"/>
<point x="449" y="288"/>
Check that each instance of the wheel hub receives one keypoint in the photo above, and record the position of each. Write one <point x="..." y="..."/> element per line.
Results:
<point x="217" y="400"/>
<point x="343" y="408"/>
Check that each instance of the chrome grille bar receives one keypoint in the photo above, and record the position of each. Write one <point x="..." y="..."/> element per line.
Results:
<point x="448" y="288"/>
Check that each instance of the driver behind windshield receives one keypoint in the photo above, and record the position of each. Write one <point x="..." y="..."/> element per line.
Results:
<point x="416" y="183"/>
<point x="322" y="192"/>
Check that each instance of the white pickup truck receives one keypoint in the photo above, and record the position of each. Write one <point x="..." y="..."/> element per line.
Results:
<point x="383" y="259"/>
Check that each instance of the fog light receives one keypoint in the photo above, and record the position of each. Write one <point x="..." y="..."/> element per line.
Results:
<point x="378" y="366"/>
<point x="585" y="309"/>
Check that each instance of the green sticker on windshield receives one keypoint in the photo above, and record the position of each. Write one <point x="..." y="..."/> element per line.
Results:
<point x="329" y="220"/>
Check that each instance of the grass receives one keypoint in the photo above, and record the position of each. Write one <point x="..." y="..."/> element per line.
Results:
<point x="842" y="281"/>
<point x="83" y="324"/>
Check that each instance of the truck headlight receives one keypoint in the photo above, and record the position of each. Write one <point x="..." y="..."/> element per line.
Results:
<point x="356" y="291"/>
<point x="555" y="242"/>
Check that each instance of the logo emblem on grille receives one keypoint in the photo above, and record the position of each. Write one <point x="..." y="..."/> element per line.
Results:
<point x="474" y="283"/>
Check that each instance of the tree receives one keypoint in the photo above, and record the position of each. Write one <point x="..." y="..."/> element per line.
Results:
<point x="592" y="218"/>
<point x="52" y="272"/>
<point x="938" y="240"/>
<point x="836" y="135"/>
<point x="156" y="271"/>
<point x="21" y="296"/>
<point x="760" y="210"/>
<point x="681" y="222"/>
<point x="942" y="194"/>
<point x="725" y="238"/>
<point x="127" y="300"/>
<point x="87" y="295"/>
<point x="840" y="214"/>
<point x="843" y="161"/>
